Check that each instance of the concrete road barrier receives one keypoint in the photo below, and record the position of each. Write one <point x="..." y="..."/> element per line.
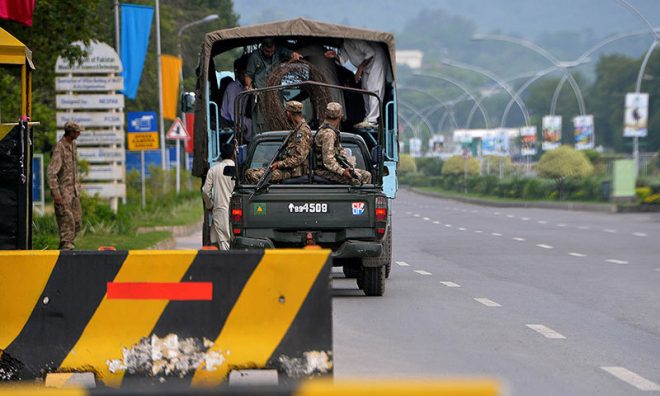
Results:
<point x="184" y="317"/>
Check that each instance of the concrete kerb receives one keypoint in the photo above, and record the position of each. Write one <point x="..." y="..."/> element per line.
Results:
<point x="602" y="208"/>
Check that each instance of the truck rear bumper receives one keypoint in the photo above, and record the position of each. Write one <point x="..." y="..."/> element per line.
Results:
<point x="349" y="249"/>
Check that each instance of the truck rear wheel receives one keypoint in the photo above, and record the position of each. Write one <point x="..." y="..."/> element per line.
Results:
<point x="372" y="280"/>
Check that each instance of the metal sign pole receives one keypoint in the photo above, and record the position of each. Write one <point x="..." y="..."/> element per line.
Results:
<point x="144" y="197"/>
<point x="178" y="166"/>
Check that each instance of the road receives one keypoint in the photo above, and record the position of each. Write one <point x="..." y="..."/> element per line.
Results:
<point x="550" y="302"/>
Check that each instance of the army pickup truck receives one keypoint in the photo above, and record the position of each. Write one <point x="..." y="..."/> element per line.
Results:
<point x="352" y="220"/>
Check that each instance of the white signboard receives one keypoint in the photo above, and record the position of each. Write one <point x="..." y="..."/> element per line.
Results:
<point x="101" y="58"/>
<point x="89" y="101"/>
<point x="415" y="147"/>
<point x="87" y="119"/>
<point x="97" y="138"/>
<point x="105" y="190"/>
<point x="462" y="136"/>
<point x="89" y="83"/>
<point x="97" y="154"/>
<point x="636" y="115"/>
<point x="105" y="172"/>
<point x="437" y="144"/>
<point x="177" y="131"/>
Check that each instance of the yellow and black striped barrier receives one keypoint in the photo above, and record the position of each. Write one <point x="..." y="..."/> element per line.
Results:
<point x="372" y="387"/>
<point x="188" y="317"/>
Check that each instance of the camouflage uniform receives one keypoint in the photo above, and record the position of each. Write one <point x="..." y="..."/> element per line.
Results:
<point x="63" y="182"/>
<point x="293" y="162"/>
<point x="328" y="149"/>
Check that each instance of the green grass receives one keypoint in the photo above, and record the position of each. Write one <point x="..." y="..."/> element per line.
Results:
<point x="93" y="242"/>
<point x="454" y="194"/>
<point x="184" y="213"/>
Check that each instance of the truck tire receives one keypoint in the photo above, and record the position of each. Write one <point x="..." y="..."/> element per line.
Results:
<point x="372" y="280"/>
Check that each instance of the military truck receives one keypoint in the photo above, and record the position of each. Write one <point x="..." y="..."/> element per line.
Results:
<point x="354" y="221"/>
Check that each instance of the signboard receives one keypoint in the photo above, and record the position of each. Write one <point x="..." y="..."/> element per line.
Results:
<point x="415" y="147"/>
<point x="98" y="154"/>
<point x="584" y="132"/>
<point x="142" y="121"/>
<point x="636" y="115"/>
<point x="38" y="181"/>
<point x="177" y="131"/>
<point x="87" y="119"/>
<point x="105" y="172"/>
<point x="89" y="101"/>
<point x="528" y="141"/>
<point x="138" y="141"/>
<point x="463" y="136"/>
<point x="97" y="138"/>
<point x="101" y="58"/>
<point x="495" y="142"/>
<point x="551" y="131"/>
<point x="437" y="144"/>
<point x="105" y="190"/>
<point x="89" y="83"/>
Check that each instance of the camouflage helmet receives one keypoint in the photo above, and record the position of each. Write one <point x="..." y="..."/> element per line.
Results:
<point x="294" y="106"/>
<point x="71" y="126"/>
<point x="333" y="110"/>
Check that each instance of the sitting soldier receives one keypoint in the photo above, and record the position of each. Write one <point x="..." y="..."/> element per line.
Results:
<point x="293" y="161"/>
<point x="331" y="161"/>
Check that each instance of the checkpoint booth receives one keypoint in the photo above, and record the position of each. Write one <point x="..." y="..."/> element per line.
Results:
<point x="16" y="148"/>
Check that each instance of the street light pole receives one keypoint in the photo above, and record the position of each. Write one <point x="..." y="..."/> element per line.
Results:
<point x="163" y="150"/>
<point x="207" y="18"/>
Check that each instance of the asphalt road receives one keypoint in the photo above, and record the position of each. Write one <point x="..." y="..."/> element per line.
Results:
<point x="550" y="302"/>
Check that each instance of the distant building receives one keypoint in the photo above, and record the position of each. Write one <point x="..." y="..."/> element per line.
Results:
<point x="410" y="58"/>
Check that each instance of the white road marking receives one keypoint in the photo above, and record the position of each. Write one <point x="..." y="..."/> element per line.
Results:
<point x="464" y="210"/>
<point x="657" y="269"/>
<point x="577" y="254"/>
<point x="561" y="225"/>
<point x="474" y="211"/>
<point x="631" y="378"/>
<point x="584" y="227"/>
<point x="510" y="216"/>
<point x="403" y="264"/>
<point x="416" y="215"/>
<point x="426" y="219"/>
<point x="462" y="228"/>
<point x="496" y="213"/>
<point x="448" y="225"/>
<point x="611" y="231"/>
<point x="525" y="219"/>
<point x="613" y="261"/>
<point x="518" y="239"/>
<point x="542" y="222"/>
<point x="478" y="231"/>
<point x="424" y="273"/>
<point x="408" y="213"/>
<point x="451" y="284"/>
<point x="639" y="234"/>
<point x="487" y="302"/>
<point x="546" y="331"/>
<point x="497" y="234"/>
<point x="544" y="246"/>
<point x="436" y="222"/>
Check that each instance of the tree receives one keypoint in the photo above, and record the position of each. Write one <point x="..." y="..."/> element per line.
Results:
<point x="564" y="162"/>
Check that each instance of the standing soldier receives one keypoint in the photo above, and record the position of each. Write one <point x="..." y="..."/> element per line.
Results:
<point x="65" y="186"/>
<point x="293" y="162"/>
<point x="330" y="156"/>
<point x="216" y="193"/>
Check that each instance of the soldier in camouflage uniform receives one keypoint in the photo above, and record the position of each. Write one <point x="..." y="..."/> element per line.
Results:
<point x="293" y="162"/>
<point x="331" y="161"/>
<point x="65" y="186"/>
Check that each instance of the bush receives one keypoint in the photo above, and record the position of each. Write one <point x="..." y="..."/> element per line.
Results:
<point x="643" y="193"/>
<point x="430" y="166"/>
<point x="564" y="162"/>
<point x="496" y="165"/>
<point x="652" y="199"/>
<point x="456" y="166"/>
<point x="406" y="164"/>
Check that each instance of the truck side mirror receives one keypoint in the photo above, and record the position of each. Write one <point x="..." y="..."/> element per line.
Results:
<point x="229" y="170"/>
<point x="242" y="154"/>
<point x="188" y="102"/>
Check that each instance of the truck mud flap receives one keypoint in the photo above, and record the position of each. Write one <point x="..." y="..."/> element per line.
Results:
<point x="183" y="317"/>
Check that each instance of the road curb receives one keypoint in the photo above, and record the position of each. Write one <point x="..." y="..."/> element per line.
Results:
<point x="601" y="208"/>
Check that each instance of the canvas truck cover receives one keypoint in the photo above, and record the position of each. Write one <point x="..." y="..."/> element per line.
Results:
<point x="226" y="39"/>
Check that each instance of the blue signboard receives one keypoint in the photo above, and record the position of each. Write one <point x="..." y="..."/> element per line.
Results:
<point x="142" y="121"/>
<point x="36" y="178"/>
<point x="151" y="158"/>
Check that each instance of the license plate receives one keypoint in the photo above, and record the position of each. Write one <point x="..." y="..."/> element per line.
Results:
<point x="309" y="207"/>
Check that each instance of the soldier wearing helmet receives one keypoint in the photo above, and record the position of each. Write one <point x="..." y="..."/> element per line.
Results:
<point x="330" y="156"/>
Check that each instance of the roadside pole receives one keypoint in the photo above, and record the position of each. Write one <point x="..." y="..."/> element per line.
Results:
<point x="142" y="177"/>
<point x="177" y="132"/>
<point x="178" y="167"/>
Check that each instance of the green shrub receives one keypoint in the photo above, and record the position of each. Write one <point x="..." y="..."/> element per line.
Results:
<point x="430" y="166"/>
<point x="406" y="164"/>
<point x="653" y="199"/>
<point x="496" y="165"/>
<point x="564" y="162"/>
<point x="456" y="166"/>
<point x="643" y="192"/>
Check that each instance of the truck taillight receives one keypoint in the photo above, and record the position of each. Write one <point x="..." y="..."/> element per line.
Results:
<point x="381" y="209"/>
<point x="236" y="215"/>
